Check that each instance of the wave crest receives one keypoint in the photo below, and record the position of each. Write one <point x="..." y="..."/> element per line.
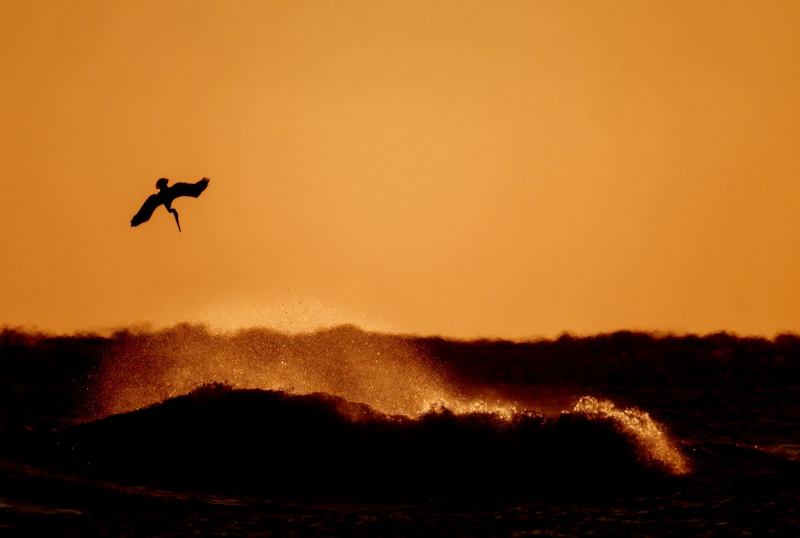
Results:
<point x="653" y="442"/>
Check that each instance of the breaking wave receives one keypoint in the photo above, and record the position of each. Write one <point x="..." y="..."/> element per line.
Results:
<point x="249" y="439"/>
<point x="374" y="401"/>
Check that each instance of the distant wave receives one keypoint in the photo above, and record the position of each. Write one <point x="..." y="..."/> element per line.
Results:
<point x="271" y="440"/>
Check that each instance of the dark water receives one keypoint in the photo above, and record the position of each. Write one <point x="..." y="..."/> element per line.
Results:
<point x="343" y="432"/>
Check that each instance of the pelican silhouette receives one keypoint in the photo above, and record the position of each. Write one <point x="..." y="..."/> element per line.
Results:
<point x="166" y="195"/>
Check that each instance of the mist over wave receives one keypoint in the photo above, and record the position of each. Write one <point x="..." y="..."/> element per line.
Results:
<point x="389" y="373"/>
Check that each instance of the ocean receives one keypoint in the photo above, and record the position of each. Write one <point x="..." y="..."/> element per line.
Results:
<point x="344" y="432"/>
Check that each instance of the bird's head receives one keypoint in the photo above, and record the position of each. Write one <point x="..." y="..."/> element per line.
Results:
<point x="161" y="184"/>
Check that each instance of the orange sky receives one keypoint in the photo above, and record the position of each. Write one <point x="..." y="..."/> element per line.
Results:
<point x="509" y="169"/>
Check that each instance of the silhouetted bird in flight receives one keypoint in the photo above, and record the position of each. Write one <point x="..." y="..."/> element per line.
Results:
<point x="166" y="195"/>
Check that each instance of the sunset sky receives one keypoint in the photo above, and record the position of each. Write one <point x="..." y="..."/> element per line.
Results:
<point x="472" y="169"/>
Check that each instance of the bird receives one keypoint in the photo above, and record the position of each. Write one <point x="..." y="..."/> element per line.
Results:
<point x="166" y="195"/>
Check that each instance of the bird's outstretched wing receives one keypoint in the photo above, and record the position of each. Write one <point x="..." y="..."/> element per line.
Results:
<point x="146" y="211"/>
<point x="189" y="189"/>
